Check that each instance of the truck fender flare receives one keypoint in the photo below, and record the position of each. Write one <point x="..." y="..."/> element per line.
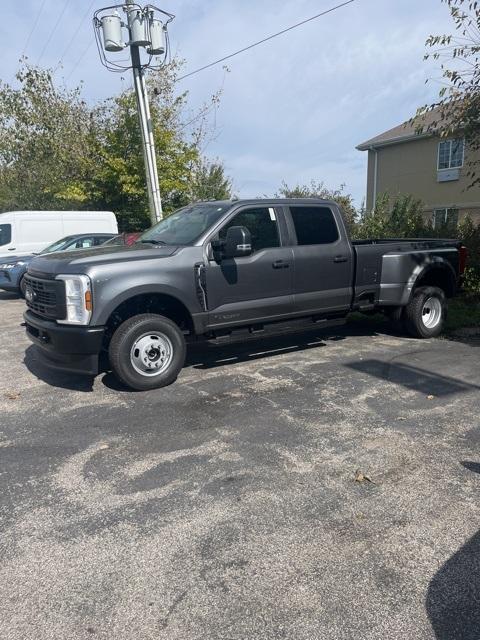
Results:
<point x="132" y="292"/>
<point x="430" y="264"/>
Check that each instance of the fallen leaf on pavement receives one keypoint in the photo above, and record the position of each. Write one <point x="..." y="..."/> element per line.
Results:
<point x="13" y="395"/>
<point x="362" y="477"/>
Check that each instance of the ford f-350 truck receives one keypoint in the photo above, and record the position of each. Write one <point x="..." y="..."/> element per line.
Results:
<point x="216" y="268"/>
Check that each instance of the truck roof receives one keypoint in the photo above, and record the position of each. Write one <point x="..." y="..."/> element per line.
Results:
<point x="263" y="201"/>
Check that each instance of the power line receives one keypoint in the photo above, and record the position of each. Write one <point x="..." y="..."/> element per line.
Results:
<point x="83" y="54"/>
<point x="60" y="16"/>
<point x="275" y="35"/>
<point x="33" y="27"/>
<point x="75" y="34"/>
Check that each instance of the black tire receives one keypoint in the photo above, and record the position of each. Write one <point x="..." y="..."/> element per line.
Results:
<point x="138" y="337"/>
<point x="22" y="286"/>
<point x="422" y="320"/>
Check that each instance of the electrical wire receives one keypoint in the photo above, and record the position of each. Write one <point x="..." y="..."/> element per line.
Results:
<point x="83" y="54"/>
<point x="75" y="34"/>
<point x="52" y="32"/>
<point x="274" y="35"/>
<point x="40" y="11"/>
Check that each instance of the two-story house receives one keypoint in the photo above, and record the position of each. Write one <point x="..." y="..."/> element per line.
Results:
<point x="404" y="161"/>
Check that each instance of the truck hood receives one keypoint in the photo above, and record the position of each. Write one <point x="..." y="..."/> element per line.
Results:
<point x="79" y="261"/>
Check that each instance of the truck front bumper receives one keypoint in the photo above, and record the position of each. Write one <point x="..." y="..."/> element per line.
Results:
<point x="68" y="348"/>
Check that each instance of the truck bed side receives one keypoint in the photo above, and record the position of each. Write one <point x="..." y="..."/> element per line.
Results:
<point x="386" y="271"/>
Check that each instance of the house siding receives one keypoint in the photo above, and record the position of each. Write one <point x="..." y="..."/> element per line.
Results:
<point x="411" y="168"/>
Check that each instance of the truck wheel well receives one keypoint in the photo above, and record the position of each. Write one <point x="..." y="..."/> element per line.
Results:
<point x="438" y="277"/>
<point x="162" y="304"/>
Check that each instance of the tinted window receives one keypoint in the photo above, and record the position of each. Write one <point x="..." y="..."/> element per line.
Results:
<point x="262" y="225"/>
<point x="5" y="233"/>
<point x="314" y="225"/>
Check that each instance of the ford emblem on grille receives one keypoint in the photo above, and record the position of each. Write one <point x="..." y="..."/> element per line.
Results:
<point x="29" y="294"/>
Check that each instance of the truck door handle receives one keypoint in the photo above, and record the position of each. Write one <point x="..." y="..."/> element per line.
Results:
<point x="340" y="259"/>
<point x="280" y="264"/>
<point x="13" y="249"/>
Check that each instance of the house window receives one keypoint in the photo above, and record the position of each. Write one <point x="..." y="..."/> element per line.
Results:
<point x="450" y="154"/>
<point x="445" y="217"/>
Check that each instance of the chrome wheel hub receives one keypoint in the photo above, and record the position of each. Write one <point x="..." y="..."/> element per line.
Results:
<point x="151" y="354"/>
<point x="431" y="312"/>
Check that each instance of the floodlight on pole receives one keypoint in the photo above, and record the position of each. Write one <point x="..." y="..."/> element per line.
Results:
<point x="144" y="27"/>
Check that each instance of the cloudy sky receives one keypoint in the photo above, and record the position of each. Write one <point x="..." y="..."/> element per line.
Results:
<point x="292" y="109"/>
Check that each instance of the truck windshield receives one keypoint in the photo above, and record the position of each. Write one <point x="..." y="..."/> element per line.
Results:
<point x="186" y="225"/>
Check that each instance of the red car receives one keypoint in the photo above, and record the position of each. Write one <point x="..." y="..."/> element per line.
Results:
<point x="124" y="238"/>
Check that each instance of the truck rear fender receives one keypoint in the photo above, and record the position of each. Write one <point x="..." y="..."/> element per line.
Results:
<point x="436" y="273"/>
<point x="431" y="270"/>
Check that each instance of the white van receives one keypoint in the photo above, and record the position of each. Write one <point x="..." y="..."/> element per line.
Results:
<point x="25" y="232"/>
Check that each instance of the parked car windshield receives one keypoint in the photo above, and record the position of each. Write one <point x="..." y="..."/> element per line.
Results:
<point x="58" y="245"/>
<point x="186" y="225"/>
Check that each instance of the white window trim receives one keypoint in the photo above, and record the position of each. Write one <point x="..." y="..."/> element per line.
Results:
<point x="450" y="155"/>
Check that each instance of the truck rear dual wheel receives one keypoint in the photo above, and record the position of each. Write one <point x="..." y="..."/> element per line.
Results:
<point x="425" y="313"/>
<point x="147" y="352"/>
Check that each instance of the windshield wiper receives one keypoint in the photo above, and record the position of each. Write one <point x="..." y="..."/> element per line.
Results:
<point x="153" y="241"/>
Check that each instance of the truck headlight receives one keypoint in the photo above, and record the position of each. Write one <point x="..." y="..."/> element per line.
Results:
<point x="78" y="298"/>
<point x="12" y="265"/>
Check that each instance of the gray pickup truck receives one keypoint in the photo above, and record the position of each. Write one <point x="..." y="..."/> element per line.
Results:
<point x="217" y="268"/>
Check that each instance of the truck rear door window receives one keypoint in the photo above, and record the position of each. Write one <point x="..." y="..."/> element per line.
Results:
<point x="5" y="234"/>
<point x="261" y="224"/>
<point x="314" y="225"/>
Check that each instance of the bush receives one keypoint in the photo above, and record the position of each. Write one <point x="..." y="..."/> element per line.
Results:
<point x="401" y="217"/>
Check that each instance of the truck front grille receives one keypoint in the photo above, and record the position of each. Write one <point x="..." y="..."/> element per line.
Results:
<point x="46" y="298"/>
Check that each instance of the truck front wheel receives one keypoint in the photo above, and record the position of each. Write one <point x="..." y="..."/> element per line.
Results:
<point x="425" y="313"/>
<point x="147" y="352"/>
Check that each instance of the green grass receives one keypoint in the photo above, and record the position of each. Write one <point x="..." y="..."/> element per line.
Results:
<point x="462" y="312"/>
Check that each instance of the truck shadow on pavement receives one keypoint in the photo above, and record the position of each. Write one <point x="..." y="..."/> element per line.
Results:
<point x="55" y="378"/>
<point x="413" y="378"/>
<point x="453" y="597"/>
<point x="208" y="355"/>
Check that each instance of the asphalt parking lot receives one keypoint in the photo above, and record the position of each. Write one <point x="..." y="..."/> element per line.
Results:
<point x="316" y="486"/>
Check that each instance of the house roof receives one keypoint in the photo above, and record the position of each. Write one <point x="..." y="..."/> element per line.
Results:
<point x="403" y="132"/>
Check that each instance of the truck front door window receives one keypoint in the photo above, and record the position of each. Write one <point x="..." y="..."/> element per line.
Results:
<point x="5" y="234"/>
<point x="261" y="224"/>
<point x="314" y="225"/>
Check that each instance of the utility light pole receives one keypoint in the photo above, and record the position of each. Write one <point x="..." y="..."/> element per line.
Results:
<point x="144" y="30"/>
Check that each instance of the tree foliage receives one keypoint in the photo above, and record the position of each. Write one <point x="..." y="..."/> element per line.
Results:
<point x="58" y="152"/>
<point x="401" y="217"/>
<point x="457" y="110"/>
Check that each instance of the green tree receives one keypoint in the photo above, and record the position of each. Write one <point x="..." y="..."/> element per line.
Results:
<point x="318" y="190"/>
<point x="209" y="182"/>
<point x="456" y="111"/>
<point x="56" y="152"/>
<point x="43" y="143"/>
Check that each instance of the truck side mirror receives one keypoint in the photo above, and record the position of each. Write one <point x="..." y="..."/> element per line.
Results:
<point x="238" y="242"/>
